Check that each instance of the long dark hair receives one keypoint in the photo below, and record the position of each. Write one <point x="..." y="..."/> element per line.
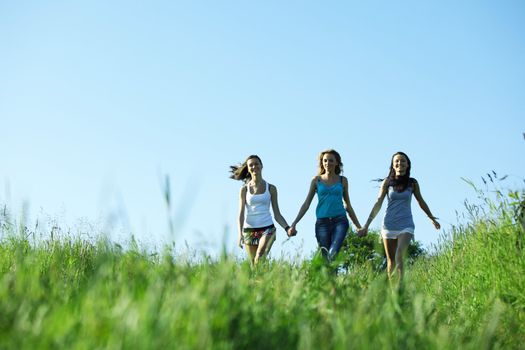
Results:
<point x="402" y="182"/>
<point x="338" y="167"/>
<point x="240" y="172"/>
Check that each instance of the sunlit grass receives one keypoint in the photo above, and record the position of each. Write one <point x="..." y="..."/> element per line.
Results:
<point x="91" y="293"/>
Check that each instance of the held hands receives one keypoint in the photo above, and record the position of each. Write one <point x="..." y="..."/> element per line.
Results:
<point x="361" y="232"/>
<point x="291" y="231"/>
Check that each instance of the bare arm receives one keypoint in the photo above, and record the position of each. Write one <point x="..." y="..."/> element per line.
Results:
<point x="275" y="206"/>
<point x="377" y="206"/>
<point x="307" y="201"/>
<point x="424" y="206"/>
<point x="348" y="206"/>
<point x="240" y="223"/>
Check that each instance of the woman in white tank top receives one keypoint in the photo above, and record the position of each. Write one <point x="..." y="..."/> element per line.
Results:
<point x="255" y="225"/>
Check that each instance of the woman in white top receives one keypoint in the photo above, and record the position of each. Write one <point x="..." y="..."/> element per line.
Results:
<point x="256" y="228"/>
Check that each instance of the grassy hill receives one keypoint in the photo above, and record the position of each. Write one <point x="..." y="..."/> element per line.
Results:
<point x="71" y="293"/>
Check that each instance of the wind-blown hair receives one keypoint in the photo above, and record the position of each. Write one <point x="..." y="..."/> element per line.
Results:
<point x="338" y="167"/>
<point x="240" y="172"/>
<point x="402" y="182"/>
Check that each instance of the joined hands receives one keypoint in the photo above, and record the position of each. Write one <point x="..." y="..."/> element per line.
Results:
<point x="361" y="232"/>
<point x="291" y="231"/>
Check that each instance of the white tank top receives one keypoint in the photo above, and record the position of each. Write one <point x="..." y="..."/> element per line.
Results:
<point x="258" y="209"/>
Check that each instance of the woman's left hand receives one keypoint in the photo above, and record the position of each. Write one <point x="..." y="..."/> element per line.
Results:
<point x="361" y="232"/>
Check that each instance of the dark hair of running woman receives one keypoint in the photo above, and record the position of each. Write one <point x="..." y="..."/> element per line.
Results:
<point x="255" y="223"/>
<point x="240" y="172"/>
<point x="399" y="183"/>
<point x="333" y="205"/>
<point x="398" y="226"/>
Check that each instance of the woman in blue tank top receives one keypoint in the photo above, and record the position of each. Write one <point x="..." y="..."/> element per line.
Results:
<point x="398" y="226"/>
<point x="332" y="190"/>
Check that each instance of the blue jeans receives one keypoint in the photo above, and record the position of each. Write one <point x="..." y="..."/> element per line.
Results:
<point x="330" y="234"/>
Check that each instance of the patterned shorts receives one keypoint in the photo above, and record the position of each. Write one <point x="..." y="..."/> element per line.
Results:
<point x="251" y="236"/>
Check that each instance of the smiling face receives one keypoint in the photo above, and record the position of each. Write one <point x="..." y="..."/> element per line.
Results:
<point x="400" y="164"/>
<point x="254" y="166"/>
<point x="329" y="163"/>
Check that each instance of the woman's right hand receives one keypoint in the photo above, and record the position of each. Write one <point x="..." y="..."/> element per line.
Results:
<point x="240" y="242"/>
<point x="292" y="231"/>
<point x="362" y="232"/>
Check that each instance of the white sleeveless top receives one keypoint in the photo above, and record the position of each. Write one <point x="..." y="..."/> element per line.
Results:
<point x="258" y="209"/>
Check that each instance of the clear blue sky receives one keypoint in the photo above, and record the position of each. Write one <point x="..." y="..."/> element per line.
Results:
<point x="100" y="100"/>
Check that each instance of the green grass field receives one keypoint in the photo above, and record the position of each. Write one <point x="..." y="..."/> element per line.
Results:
<point x="70" y="293"/>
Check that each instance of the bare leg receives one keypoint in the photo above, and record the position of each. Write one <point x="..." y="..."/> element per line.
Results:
<point x="390" y="251"/>
<point x="265" y="244"/>
<point x="270" y="244"/>
<point x="252" y="251"/>
<point x="402" y="247"/>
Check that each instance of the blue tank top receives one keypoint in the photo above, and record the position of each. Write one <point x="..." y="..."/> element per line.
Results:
<point x="398" y="214"/>
<point x="330" y="200"/>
